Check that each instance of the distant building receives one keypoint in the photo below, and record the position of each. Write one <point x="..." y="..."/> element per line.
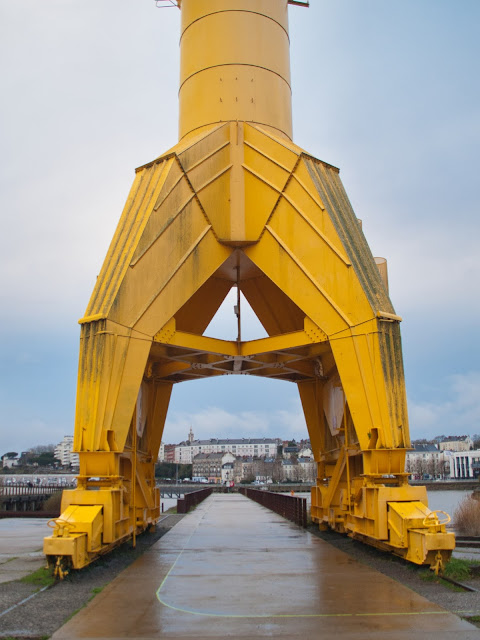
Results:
<point x="291" y="470"/>
<point x="426" y="461"/>
<point x="64" y="453"/>
<point x="166" y="453"/>
<point x="228" y="470"/>
<point x="305" y="452"/>
<point x="290" y="450"/>
<point x="215" y="467"/>
<point x="9" y="463"/>
<point x="456" y="443"/>
<point x="186" y="451"/>
<point x="308" y="468"/>
<point x="253" y="459"/>
<point x="464" y="464"/>
<point x="243" y="468"/>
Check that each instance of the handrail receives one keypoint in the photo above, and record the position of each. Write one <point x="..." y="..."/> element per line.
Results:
<point x="191" y="500"/>
<point x="290" y="507"/>
<point x="25" y="489"/>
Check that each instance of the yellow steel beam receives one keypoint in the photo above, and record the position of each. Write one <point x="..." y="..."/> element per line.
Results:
<point x="276" y="343"/>
<point x="169" y="335"/>
<point x="199" y="343"/>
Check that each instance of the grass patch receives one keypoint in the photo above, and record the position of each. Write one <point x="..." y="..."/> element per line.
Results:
<point x="475" y="620"/>
<point x="429" y="576"/>
<point x="467" y="517"/>
<point x="456" y="569"/>
<point x="17" y="638"/>
<point x="40" y="578"/>
<point x="97" y="590"/>
<point x="459" y="569"/>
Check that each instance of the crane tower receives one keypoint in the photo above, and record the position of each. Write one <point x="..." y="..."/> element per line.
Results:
<point x="236" y="203"/>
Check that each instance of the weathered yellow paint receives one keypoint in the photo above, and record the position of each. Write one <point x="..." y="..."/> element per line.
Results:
<point x="236" y="203"/>
<point x="235" y="64"/>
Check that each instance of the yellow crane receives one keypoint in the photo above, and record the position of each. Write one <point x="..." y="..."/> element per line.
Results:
<point x="236" y="203"/>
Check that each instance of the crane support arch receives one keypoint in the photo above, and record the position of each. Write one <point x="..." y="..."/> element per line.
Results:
<point x="237" y="204"/>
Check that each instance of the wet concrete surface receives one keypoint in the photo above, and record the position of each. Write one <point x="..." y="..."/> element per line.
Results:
<point x="234" y="569"/>
<point x="21" y="544"/>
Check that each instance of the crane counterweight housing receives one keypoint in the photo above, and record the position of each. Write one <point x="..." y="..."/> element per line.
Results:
<point x="237" y="203"/>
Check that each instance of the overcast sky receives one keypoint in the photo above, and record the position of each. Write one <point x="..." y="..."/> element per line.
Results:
<point x="387" y="91"/>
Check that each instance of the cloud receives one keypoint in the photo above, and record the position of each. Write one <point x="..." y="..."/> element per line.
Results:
<point x="78" y="114"/>
<point x="432" y="266"/>
<point x="30" y="432"/>
<point x="89" y="97"/>
<point x="457" y="414"/>
<point x="467" y="390"/>
<point x="215" y="422"/>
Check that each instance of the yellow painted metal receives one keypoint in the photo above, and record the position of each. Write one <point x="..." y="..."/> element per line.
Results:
<point x="77" y="535"/>
<point x="236" y="203"/>
<point x="235" y="64"/>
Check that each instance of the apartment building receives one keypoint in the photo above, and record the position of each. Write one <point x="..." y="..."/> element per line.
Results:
<point x="186" y="451"/>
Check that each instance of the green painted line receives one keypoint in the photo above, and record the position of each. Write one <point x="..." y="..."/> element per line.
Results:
<point x="475" y="613"/>
<point x="296" y="615"/>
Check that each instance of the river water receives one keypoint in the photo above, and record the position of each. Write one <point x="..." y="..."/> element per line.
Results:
<point x="167" y="503"/>
<point x="447" y="500"/>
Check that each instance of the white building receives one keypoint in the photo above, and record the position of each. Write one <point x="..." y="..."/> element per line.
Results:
<point x="456" y="443"/>
<point x="291" y="470"/>
<point x="305" y="452"/>
<point x="464" y="464"/>
<point x="161" y="452"/>
<point x="426" y="461"/>
<point x="257" y="447"/>
<point x="64" y="453"/>
<point x="228" y="469"/>
<point x="308" y="468"/>
<point x="8" y="463"/>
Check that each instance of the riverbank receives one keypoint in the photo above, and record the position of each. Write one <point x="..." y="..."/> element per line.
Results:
<point x="448" y="485"/>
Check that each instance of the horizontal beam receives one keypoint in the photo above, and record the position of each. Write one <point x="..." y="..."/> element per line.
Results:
<point x="231" y="348"/>
<point x="275" y="343"/>
<point x="195" y="342"/>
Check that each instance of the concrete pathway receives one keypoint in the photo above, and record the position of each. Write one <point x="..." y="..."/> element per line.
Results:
<point x="234" y="569"/>
<point x="21" y="544"/>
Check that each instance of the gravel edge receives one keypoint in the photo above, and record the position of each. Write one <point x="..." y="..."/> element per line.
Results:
<point x="47" y="611"/>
